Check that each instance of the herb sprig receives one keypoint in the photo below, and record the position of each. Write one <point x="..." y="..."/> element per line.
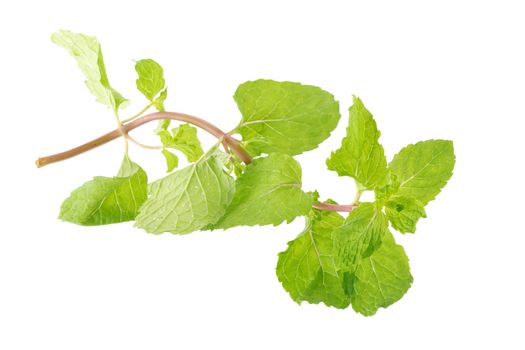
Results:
<point x="255" y="180"/>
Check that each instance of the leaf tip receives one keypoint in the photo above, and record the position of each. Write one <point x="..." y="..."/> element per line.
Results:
<point x="357" y="103"/>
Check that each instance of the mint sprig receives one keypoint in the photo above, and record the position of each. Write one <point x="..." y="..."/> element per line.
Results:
<point x="255" y="180"/>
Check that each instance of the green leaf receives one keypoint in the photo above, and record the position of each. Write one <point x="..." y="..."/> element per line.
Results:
<point x="382" y="278"/>
<point x="158" y="103"/>
<point x="268" y="192"/>
<point x="360" y="156"/>
<point x="184" y="139"/>
<point x="359" y="236"/>
<point x="307" y="268"/>
<point x="107" y="200"/>
<point x="404" y="213"/>
<point x="284" y="117"/>
<point x="151" y="78"/>
<point x="88" y="54"/>
<point x="151" y="83"/>
<point x="423" y="169"/>
<point x="188" y="199"/>
<point x="171" y="160"/>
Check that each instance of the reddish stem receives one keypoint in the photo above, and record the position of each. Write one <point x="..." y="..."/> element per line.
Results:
<point x="201" y="123"/>
<point x="334" y="207"/>
<point x="228" y="141"/>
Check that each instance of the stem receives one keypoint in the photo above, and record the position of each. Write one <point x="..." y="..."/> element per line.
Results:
<point x="334" y="207"/>
<point x="359" y="191"/>
<point x="235" y="145"/>
<point x="125" y="128"/>
<point x="140" y="144"/>
<point x="141" y="112"/>
<point x="227" y="140"/>
<point x="357" y="197"/>
<point x="122" y="132"/>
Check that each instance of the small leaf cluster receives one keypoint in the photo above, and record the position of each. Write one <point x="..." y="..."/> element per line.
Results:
<point x="335" y="260"/>
<point x="356" y="261"/>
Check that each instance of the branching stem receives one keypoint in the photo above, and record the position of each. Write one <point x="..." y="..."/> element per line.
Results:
<point x="141" y="112"/>
<point x="140" y="144"/>
<point x="228" y="141"/>
<point x="126" y="128"/>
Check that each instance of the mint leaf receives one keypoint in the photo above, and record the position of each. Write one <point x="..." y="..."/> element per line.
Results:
<point x="284" y="117"/>
<point x="381" y="279"/>
<point x="171" y="160"/>
<point x="107" y="200"/>
<point x="88" y="54"/>
<point x="416" y="175"/>
<point x="188" y="199"/>
<point x="423" y="169"/>
<point x="360" y="155"/>
<point x="307" y="268"/>
<point x="268" y="192"/>
<point x="152" y="85"/>
<point x="158" y="103"/>
<point x="151" y="78"/>
<point x="404" y="213"/>
<point x="359" y="236"/>
<point x="184" y="139"/>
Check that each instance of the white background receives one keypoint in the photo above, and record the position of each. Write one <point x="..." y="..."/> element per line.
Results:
<point x="443" y="69"/>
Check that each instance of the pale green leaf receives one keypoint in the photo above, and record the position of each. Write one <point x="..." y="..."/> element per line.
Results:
<point x="171" y="160"/>
<point x="423" y="169"/>
<point x="381" y="279"/>
<point x="151" y="83"/>
<point x="284" y="117"/>
<point x="107" y="200"/>
<point x="307" y="268"/>
<point x="158" y="103"/>
<point x="188" y="199"/>
<point x="404" y="213"/>
<point x="151" y="78"/>
<point x="184" y="139"/>
<point x="268" y="192"/>
<point x="88" y="54"/>
<point x="360" y="156"/>
<point x="359" y="236"/>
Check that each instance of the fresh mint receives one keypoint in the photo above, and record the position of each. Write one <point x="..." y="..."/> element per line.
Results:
<point x="341" y="261"/>
<point x="359" y="236"/>
<point x="307" y="269"/>
<point x="422" y="170"/>
<point x="184" y="139"/>
<point x="380" y="279"/>
<point x="361" y="156"/>
<point x="284" y="117"/>
<point x="151" y="79"/>
<point x="108" y="200"/>
<point x="189" y="199"/>
<point x="268" y="192"/>
<point x="88" y="54"/>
